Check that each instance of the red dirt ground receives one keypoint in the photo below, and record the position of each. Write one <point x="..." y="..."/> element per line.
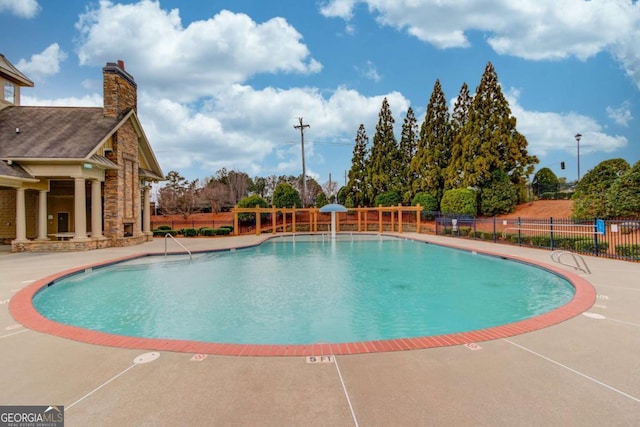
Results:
<point x="542" y="209"/>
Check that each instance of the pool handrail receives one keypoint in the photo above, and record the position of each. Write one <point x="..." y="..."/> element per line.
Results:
<point x="175" y="240"/>
<point x="578" y="261"/>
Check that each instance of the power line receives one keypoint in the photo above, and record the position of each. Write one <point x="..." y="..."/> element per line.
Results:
<point x="349" y="144"/>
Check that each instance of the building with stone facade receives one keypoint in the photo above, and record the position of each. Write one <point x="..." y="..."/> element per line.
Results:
<point x="74" y="178"/>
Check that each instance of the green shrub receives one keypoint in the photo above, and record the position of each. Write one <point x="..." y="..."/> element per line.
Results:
<point x="207" y="231"/>
<point x="460" y="201"/>
<point x="388" y="198"/>
<point x="250" y="202"/>
<point x="229" y="227"/>
<point x="630" y="251"/>
<point x="162" y="233"/>
<point x="164" y="227"/>
<point x="588" y="200"/>
<point x="589" y="246"/>
<point x="428" y="203"/>
<point x="623" y="197"/>
<point x="322" y="200"/>
<point x="499" y="196"/>
<point x="285" y="196"/>
<point x="222" y="231"/>
<point x="466" y="231"/>
<point x="541" y="241"/>
<point x="485" y="235"/>
<point x="189" y="232"/>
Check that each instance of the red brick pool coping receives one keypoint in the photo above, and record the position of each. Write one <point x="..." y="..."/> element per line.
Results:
<point x="21" y="308"/>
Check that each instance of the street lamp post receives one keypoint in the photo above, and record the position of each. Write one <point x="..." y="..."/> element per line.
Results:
<point x="578" y="136"/>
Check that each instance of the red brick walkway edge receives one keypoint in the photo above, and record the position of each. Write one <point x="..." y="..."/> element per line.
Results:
<point x="22" y="310"/>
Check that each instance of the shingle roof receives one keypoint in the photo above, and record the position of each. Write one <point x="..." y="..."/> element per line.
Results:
<point x="52" y="132"/>
<point x="14" y="170"/>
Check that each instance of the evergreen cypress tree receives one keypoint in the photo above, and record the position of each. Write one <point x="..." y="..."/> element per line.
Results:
<point x="434" y="146"/>
<point x="459" y="118"/>
<point x="357" y="185"/>
<point x="408" y="147"/>
<point x="489" y="140"/>
<point x="384" y="158"/>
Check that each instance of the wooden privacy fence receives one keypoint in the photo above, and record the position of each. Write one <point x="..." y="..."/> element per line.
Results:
<point x="377" y="219"/>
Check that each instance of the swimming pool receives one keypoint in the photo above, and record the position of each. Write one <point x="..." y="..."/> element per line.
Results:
<point x="300" y="292"/>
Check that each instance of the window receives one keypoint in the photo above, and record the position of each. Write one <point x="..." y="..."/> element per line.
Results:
<point x="9" y="92"/>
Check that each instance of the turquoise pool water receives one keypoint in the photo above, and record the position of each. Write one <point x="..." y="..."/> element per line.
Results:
<point x="301" y="292"/>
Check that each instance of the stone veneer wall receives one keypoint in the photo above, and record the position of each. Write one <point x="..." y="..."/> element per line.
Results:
<point x="120" y="90"/>
<point x="121" y="187"/>
<point x="71" y="246"/>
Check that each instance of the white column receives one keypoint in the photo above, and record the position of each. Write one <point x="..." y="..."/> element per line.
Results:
<point x="96" y="209"/>
<point x="139" y="212"/>
<point x="80" y="209"/>
<point x="21" y="218"/>
<point x="42" y="215"/>
<point x="146" y="222"/>
<point x="333" y="225"/>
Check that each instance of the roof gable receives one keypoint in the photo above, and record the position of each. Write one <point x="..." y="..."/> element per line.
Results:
<point x="52" y="132"/>
<point x="12" y="73"/>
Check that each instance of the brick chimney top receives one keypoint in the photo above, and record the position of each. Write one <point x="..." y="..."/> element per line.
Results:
<point x="120" y="89"/>
<point x="118" y="68"/>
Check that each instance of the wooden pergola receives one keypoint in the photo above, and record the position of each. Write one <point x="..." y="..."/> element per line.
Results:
<point x="363" y="222"/>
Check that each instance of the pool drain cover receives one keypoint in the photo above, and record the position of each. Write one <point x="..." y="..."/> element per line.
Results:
<point x="146" y="358"/>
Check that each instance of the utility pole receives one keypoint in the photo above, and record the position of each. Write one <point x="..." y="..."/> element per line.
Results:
<point x="301" y="126"/>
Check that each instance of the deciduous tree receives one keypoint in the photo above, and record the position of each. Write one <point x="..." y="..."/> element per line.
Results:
<point x="589" y="200"/>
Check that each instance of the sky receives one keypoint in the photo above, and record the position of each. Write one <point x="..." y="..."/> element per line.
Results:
<point x="222" y="83"/>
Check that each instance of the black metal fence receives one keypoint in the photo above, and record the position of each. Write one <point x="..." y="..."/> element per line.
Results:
<point x="613" y="238"/>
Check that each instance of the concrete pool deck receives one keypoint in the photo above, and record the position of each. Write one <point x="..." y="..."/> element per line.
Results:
<point x="583" y="371"/>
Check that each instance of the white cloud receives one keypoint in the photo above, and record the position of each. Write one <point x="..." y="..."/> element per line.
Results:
<point x="621" y="115"/>
<point x="43" y="64"/>
<point x="369" y="71"/>
<point x="93" y="100"/>
<point x="529" y="29"/>
<point x="547" y="132"/>
<point x="186" y="63"/>
<point x="241" y="127"/>
<point x="21" y="8"/>
<point x="350" y="29"/>
<point x="338" y="8"/>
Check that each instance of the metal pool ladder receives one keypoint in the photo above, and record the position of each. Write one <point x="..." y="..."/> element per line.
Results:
<point x="175" y="240"/>
<point x="578" y="261"/>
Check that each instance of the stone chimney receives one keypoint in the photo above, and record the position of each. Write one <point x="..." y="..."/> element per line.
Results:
<point x="120" y="90"/>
